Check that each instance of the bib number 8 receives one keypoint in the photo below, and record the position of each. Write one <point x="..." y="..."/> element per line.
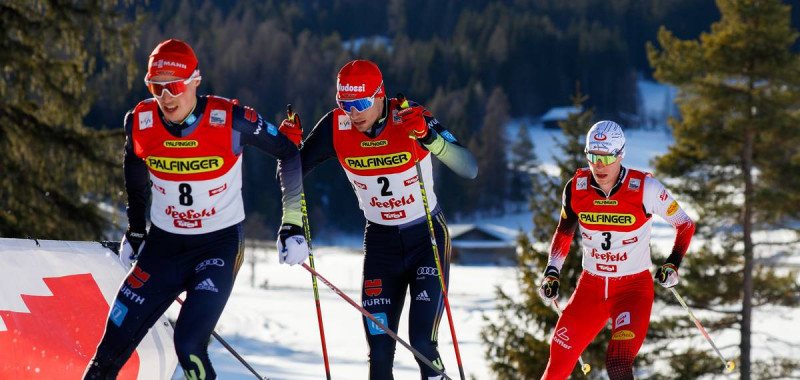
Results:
<point x="185" y="199"/>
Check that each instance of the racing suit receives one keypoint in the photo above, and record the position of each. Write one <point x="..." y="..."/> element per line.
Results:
<point x="195" y="243"/>
<point x="398" y="253"/>
<point x="616" y="282"/>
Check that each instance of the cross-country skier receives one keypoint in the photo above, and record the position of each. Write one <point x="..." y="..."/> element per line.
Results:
<point x="613" y="208"/>
<point x="191" y="147"/>
<point x="369" y="134"/>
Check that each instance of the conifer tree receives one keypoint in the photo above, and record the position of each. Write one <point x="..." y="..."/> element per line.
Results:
<point x="488" y="146"/>
<point x="522" y="161"/>
<point x="736" y="154"/>
<point x="52" y="167"/>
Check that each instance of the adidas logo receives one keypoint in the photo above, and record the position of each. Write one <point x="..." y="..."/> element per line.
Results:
<point x="207" y="284"/>
<point x="423" y="296"/>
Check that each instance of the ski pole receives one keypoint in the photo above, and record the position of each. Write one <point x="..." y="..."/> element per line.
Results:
<point x="231" y="350"/>
<point x="584" y="367"/>
<point x="728" y="364"/>
<point x="404" y="104"/>
<point x="378" y="323"/>
<point x="307" y="233"/>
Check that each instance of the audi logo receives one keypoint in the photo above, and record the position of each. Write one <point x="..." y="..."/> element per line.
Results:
<point x="429" y="271"/>
<point x="215" y="261"/>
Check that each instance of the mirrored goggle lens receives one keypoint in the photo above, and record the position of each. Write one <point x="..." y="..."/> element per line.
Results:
<point x="605" y="159"/>
<point x="359" y="104"/>
<point x="173" y="88"/>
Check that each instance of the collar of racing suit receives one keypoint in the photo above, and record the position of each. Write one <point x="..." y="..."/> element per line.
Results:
<point x="376" y="128"/>
<point x="620" y="179"/>
<point x="185" y="127"/>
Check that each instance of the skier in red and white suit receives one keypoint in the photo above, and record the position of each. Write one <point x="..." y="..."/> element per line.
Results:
<point x="186" y="150"/>
<point x="369" y="135"/>
<point x="613" y="207"/>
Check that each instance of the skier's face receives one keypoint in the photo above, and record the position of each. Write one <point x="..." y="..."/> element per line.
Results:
<point x="363" y="120"/>
<point x="605" y="175"/>
<point x="177" y="108"/>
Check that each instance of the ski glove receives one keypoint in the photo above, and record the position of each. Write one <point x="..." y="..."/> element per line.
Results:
<point x="130" y="247"/>
<point x="292" y="247"/>
<point x="413" y="122"/>
<point x="549" y="289"/>
<point x="292" y="129"/>
<point x="667" y="275"/>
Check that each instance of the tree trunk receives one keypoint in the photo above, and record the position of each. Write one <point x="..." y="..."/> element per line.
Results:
<point x="747" y="230"/>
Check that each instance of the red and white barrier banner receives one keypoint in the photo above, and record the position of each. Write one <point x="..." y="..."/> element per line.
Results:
<point x="54" y="303"/>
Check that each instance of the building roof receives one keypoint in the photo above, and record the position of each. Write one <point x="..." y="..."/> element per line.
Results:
<point x="560" y="113"/>
<point x="482" y="236"/>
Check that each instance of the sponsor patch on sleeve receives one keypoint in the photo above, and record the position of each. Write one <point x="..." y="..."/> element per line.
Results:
<point x="448" y="136"/>
<point x="673" y="208"/>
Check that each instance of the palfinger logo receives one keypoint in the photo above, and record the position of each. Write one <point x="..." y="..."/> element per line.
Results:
<point x="607" y="218"/>
<point x="187" y="165"/>
<point x="180" y="143"/>
<point x="378" y="162"/>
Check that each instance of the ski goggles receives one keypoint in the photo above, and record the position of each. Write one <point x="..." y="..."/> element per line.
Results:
<point x="361" y="104"/>
<point x="606" y="159"/>
<point x="174" y="87"/>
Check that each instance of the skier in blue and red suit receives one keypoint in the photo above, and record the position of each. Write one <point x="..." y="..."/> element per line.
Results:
<point x="369" y="134"/>
<point x="188" y="150"/>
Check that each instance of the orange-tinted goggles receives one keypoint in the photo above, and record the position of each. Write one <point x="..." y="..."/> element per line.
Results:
<point x="174" y="87"/>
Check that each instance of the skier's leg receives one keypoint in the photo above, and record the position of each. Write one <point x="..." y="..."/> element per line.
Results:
<point x="583" y="317"/>
<point x="216" y="258"/>
<point x="427" y="299"/>
<point x="382" y="295"/>
<point x="631" y="303"/>
<point x="144" y="295"/>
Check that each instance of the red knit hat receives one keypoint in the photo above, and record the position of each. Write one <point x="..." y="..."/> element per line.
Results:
<point x="172" y="57"/>
<point x="359" y="79"/>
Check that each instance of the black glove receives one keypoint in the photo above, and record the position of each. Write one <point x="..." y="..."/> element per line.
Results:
<point x="667" y="275"/>
<point x="549" y="289"/>
<point x="130" y="247"/>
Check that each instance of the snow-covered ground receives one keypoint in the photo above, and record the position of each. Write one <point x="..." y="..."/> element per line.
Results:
<point x="275" y="329"/>
<point x="273" y="324"/>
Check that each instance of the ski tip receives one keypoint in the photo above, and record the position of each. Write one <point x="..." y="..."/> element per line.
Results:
<point x="586" y="368"/>
<point x="729" y="366"/>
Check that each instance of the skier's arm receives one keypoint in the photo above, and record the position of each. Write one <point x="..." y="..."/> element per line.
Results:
<point x="250" y="129"/>
<point x="559" y="247"/>
<point x="136" y="181"/>
<point x="447" y="149"/>
<point x="657" y="200"/>
<point x="318" y="146"/>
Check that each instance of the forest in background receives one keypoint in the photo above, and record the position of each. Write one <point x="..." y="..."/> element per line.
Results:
<point x="474" y="64"/>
